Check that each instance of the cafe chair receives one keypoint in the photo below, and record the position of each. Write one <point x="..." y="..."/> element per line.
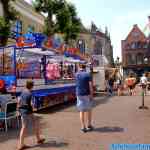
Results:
<point x="10" y="113"/>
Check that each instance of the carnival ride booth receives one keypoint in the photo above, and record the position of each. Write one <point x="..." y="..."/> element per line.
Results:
<point x="99" y="63"/>
<point x="68" y="72"/>
<point x="70" y="67"/>
<point x="7" y="71"/>
<point x="28" y="64"/>
<point x="33" y="58"/>
<point x="54" y="90"/>
<point x="52" y="71"/>
<point x="20" y="64"/>
<point x="62" y="82"/>
<point x="61" y="69"/>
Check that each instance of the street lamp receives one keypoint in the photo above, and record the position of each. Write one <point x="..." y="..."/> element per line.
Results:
<point x="143" y="98"/>
<point x="117" y="62"/>
<point x="143" y="86"/>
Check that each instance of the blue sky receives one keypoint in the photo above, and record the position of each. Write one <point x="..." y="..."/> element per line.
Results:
<point x="118" y="15"/>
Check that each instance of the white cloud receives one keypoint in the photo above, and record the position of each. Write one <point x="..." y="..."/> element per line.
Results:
<point x="29" y="1"/>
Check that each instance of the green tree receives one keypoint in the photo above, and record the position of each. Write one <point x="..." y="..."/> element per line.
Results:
<point x="49" y="8"/>
<point x="74" y="24"/>
<point x="4" y="31"/>
<point x="9" y="15"/>
<point x="65" y="13"/>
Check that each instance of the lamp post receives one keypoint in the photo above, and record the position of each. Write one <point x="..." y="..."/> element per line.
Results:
<point x="143" y="86"/>
<point x="117" y="62"/>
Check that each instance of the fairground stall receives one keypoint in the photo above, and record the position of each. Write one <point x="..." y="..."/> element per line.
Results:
<point x="51" y="69"/>
<point x="99" y="63"/>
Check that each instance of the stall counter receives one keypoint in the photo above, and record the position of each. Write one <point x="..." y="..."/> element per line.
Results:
<point x="50" y="95"/>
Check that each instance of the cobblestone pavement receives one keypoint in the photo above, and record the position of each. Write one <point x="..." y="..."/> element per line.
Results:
<point x="116" y="120"/>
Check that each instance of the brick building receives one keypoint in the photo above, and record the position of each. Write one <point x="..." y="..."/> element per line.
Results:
<point x="135" y="52"/>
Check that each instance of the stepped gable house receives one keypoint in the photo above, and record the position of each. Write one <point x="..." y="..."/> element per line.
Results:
<point x="135" y="52"/>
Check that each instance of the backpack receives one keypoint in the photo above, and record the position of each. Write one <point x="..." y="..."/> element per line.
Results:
<point x="130" y="82"/>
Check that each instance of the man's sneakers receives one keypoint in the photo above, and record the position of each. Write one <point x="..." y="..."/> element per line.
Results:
<point x="89" y="128"/>
<point x="41" y="141"/>
<point x="23" y="147"/>
<point x="83" y="130"/>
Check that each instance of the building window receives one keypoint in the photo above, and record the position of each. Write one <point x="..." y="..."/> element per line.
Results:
<point x="139" y="58"/>
<point x="128" y="59"/>
<point x="16" y="28"/>
<point x="127" y="46"/>
<point x="145" y="46"/>
<point x="133" y="45"/>
<point x="98" y="48"/>
<point x="81" y="45"/>
<point x="131" y="59"/>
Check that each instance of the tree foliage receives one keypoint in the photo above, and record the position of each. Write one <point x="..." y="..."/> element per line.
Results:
<point x="65" y="13"/>
<point x="4" y="31"/>
<point x="74" y="24"/>
<point x="5" y="22"/>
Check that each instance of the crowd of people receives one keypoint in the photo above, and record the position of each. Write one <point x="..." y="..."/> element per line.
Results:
<point x="115" y="82"/>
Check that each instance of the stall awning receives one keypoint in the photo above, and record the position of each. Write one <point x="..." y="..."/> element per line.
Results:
<point x="40" y="51"/>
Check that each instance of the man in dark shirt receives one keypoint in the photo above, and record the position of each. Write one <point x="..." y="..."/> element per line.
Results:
<point x="25" y="110"/>
<point x="84" y="92"/>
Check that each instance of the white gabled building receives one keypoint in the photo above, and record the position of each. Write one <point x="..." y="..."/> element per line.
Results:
<point x="28" y="18"/>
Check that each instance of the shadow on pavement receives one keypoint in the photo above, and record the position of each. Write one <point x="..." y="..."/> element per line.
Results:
<point x="13" y="132"/>
<point x="52" y="143"/>
<point x="109" y="129"/>
<point x="71" y="106"/>
<point x="101" y="100"/>
<point x="56" y="108"/>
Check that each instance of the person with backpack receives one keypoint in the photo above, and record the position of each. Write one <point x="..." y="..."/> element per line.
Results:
<point x="131" y="82"/>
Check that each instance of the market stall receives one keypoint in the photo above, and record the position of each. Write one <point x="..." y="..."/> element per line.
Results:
<point x="53" y="95"/>
<point x="51" y="69"/>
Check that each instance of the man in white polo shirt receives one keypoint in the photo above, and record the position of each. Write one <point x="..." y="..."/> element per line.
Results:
<point x="143" y="82"/>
